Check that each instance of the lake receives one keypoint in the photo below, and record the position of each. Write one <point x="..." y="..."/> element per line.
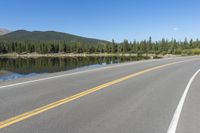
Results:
<point x="13" y="68"/>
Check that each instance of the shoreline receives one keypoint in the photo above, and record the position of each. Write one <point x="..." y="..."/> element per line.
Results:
<point x="63" y="55"/>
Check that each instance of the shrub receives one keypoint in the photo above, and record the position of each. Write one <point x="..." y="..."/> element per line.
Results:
<point x="196" y="51"/>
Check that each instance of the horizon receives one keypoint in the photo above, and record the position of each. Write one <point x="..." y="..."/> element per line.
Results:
<point x="105" y="20"/>
<point x="145" y="39"/>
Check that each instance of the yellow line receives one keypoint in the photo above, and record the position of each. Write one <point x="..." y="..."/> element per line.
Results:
<point x="39" y="110"/>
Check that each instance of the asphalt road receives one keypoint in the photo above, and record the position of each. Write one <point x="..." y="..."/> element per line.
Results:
<point x="136" y="97"/>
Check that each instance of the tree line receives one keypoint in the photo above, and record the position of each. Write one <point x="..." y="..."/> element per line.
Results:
<point x="164" y="46"/>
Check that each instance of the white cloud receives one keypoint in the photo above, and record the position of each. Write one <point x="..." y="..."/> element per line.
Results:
<point x="175" y="28"/>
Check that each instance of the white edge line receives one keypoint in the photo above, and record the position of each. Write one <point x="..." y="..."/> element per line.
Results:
<point x="91" y="70"/>
<point x="177" y="113"/>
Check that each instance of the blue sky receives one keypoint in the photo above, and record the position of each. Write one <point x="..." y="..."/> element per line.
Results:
<point x="105" y="19"/>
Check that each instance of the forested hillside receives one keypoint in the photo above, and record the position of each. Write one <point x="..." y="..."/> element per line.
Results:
<point x="56" y="42"/>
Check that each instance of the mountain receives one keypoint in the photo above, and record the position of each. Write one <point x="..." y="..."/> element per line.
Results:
<point x="3" y="31"/>
<point x="23" y="35"/>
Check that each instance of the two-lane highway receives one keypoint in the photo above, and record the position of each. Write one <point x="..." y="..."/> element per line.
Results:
<point x="138" y="97"/>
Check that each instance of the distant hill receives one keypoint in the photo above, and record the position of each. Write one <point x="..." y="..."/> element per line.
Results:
<point x="3" y="31"/>
<point x="23" y="35"/>
<point x="22" y="41"/>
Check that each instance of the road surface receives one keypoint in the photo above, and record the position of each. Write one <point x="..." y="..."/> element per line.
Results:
<point x="135" y="97"/>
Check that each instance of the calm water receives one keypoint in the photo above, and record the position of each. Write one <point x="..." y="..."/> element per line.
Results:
<point x="26" y="67"/>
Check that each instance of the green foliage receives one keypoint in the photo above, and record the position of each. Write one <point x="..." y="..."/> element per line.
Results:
<point x="178" y="52"/>
<point x="56" y="42"/>
<point x="196" y="51"/>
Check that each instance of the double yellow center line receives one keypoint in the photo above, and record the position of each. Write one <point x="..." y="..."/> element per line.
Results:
<point x="39" y="110"/>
